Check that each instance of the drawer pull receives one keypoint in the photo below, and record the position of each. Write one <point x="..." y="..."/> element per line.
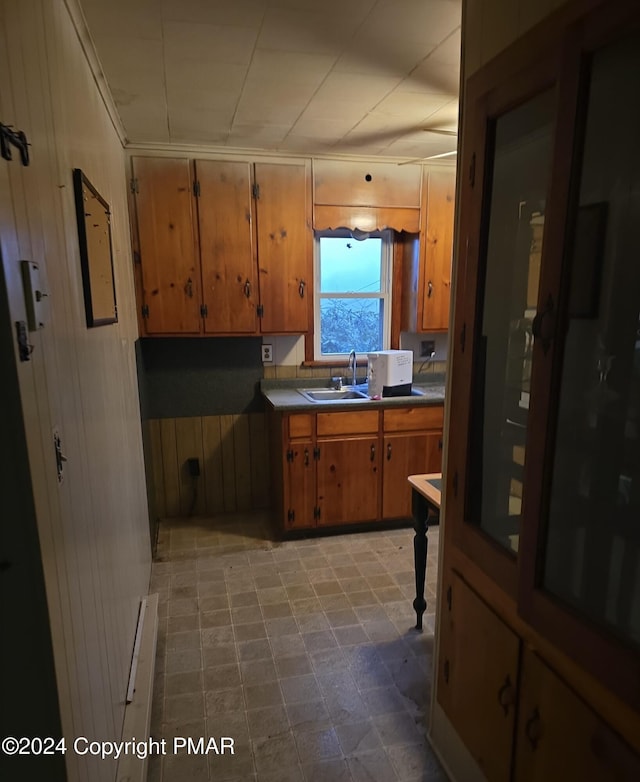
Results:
<point x="247" y="289"/>
<point x="306" y="457"/>
<point x="429" y="289"/>
<point x="188" y="288"/>
<point x="388" y="452"/>
<point x="301" y="288"/>
<point x="373" y="453"/>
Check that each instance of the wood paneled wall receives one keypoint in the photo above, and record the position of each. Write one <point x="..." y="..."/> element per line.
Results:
<point x="234" y="464"/>
<point x="93" y="530"/>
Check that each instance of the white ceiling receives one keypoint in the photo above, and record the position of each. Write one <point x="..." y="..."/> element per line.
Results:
<point x="300" y="76"/>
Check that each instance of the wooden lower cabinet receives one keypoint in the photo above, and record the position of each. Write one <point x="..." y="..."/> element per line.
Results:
<point x="348" y="480"/>
<point x="300" y="485"/>
<point x="478" y="676"/>
<point x="402" y="453"/>
<point x="516" y="716"/>
<point x="560" y="738"/>
<point x="346" y="467"/>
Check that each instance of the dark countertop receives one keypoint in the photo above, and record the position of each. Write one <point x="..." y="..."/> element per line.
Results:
<point x="283" y="396"/>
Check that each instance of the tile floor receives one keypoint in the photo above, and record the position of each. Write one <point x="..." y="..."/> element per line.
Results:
<point x="302" y="651"/>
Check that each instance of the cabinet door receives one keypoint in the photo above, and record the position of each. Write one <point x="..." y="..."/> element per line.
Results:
<point x="438" y="249"/>
<point x="477" y="676"/>
<point x="285" y="247"/>
<point x="229" y="285"/>
<point x="405" y="455"/>
<point x="544" y="753"/>
<point x="348" y="480"/>
<point x="300" y="490"/>
<point x="168" y="245"/>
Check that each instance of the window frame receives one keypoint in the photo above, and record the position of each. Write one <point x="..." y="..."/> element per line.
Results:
<point x="385" y="294"/>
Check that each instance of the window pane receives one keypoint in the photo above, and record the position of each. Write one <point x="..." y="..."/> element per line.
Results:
<point x="521" y="168"/>
<point x="350" y="266"/>
<point x="351" y="324"/>
<point x="592" y="555"/>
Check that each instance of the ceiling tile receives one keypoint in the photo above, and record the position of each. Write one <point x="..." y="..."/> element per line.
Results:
<point x="238" y="13"/>
<point x="199" y="125"/>
<point x="409" y="106"/>
<point x="299" y="68"/>
<point x="133" y="67"/>
<point x="208" y="43"/>
<point x="312" y="32"/>
<point x="364" y="89"/>
<point x="140" y="19"/>
<point x="425" y="21"/>
<point x="210" y="76"/>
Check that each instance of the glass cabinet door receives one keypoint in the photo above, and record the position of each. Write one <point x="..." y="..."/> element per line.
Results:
<point x="520" y="143"/>
<point x="591" y="557"/>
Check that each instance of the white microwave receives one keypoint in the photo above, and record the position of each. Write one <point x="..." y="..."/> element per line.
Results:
<point x="390" y="373"/>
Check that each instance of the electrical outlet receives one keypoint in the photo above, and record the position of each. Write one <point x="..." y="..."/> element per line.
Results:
<point x="427" y="347"/>
<point x="267" y="354"/>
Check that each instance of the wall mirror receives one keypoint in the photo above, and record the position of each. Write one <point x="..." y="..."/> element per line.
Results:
<point x="96" y="257"/>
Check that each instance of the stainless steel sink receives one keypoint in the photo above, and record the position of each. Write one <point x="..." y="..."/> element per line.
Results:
<point x="331" y="394"/>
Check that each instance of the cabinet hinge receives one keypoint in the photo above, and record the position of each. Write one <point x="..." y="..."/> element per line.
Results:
<point x="133" y="184"/>
<point x="291" y="516"/>
<point x="446" y="671"/>
<point x="204" y="311"/>
<point x="255" y="191"/>
<point x="260" y="310"/>
<point x="449" y="597"/>
<point x="290" y="455"/>
<point x="316" y="512"/>
<point x="196" y="188"/>
<point x="316" y="453"/>
<point x="472" y="170"/>
<point x="463" y="337"/>
<point x="454" y="483"/>
<point x="145" y="310"/>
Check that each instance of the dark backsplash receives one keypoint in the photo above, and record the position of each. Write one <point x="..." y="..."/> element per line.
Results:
<point x="183" y="377"/>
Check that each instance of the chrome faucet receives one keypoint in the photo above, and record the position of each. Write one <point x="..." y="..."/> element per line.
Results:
<point x="352" y="363"/>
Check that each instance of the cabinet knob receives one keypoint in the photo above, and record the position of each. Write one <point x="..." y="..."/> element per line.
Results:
<point x="429" y="289"/>
<point x="247" y="289"/>
<point x="188" y="288"/>
<point x="506" y="695"/>
<point x="301" y="288"/>
<point x="543" y="325"/>
<point x="388" y="451"/>
<point x="533" y="729"/>
<point x="306" y="456"/>
<point x="373" y="453"/>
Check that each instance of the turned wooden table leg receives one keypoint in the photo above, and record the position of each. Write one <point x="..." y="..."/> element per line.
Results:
<point x="420" y="544"/>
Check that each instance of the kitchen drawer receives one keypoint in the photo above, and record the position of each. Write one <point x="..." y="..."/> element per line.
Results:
<point x="361" y="422"/>
<point x="301" y="426"/>
<point x="408" y="419"/>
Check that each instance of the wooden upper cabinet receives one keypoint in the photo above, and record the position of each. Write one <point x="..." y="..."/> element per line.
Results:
<point x="227" y="252"/>
<point x="168" y="245"/>
<point x="345" y="183"/>
<point x="366" y="196"/>
<point x="285" y="247"/>
<point x="440" y="185"/>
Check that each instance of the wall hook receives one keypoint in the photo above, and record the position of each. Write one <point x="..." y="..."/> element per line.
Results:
<point x="18" y="139"/>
